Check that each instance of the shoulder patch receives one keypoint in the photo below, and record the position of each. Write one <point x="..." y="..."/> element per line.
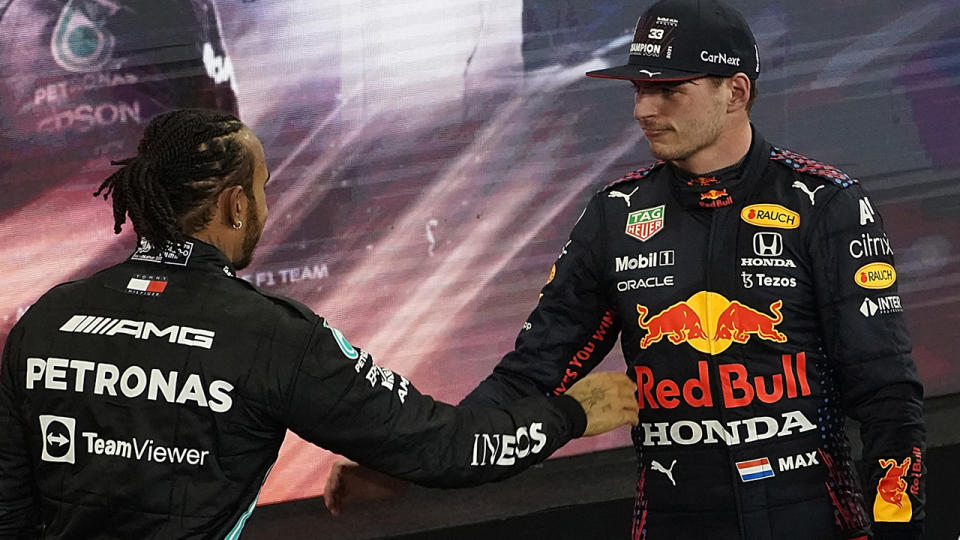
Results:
<point x="803" y="164"/>
<point x="635" y="175"/>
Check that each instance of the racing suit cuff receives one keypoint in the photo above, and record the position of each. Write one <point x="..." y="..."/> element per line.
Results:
<point x="576" y="416"/>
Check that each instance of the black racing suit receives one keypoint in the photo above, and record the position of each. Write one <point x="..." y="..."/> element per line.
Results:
<point x="150" y="400"/>
<point x="756" y="307"/>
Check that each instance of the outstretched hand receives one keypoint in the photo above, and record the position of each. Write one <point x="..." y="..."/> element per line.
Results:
<point x="609" y="399"/>
<point x="350" y="483"/>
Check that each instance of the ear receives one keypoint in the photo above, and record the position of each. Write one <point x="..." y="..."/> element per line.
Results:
<point x="233" y="204"/>
<point x="739" y="86"/>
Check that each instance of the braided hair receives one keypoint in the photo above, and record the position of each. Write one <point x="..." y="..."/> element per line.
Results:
<point x="184" y="160"/>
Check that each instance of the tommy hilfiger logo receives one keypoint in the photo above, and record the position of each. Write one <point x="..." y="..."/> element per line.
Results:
<point x="146" y="286"/>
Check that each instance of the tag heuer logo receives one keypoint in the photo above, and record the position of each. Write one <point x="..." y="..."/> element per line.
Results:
<point x="645" y="223"/>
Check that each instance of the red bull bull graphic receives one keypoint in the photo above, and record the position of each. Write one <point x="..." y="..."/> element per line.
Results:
<point x="678" y="323"/>
<point x="891" y="503"/>
<point x="738" y="321"/>
<point x="710" y="323"/>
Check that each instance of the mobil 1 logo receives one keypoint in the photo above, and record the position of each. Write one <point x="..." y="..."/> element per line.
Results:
<point x="58" y="438"/>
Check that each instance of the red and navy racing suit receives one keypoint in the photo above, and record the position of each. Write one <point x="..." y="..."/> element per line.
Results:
<point x="756" y="307"/>
<point x="150" y="400"/>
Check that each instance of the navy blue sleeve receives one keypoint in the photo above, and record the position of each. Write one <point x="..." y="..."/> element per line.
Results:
<point x="867" y="341"/>
<point x="571" y="330"/>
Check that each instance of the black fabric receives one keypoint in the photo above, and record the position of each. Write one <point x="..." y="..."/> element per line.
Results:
<point x="753" y="328"/>
<point x="150" y="400"/>
<point x="683" y="39"/>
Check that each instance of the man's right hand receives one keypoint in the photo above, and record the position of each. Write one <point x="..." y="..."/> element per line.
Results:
<point x="609" y="399"/>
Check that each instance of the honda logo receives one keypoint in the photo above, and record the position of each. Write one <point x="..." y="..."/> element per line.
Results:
<point x="768" y="244"/>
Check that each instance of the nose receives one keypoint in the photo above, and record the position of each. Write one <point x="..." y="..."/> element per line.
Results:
<point x="644" y="105"/>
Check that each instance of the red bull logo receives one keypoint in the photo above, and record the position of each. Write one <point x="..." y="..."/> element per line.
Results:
<point x="891" y="503"/>
<point x="710" y="323"/>
<point x="713" y="194"/>
<point x="715" y="198"/>
<point x="702" y="181"/>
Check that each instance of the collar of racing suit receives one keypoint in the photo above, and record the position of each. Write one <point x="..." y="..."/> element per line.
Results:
<point x="719" y="188"/>
<point x="190" y="253"/>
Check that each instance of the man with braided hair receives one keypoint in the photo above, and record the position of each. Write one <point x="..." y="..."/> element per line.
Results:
<point x="150" y="399"/>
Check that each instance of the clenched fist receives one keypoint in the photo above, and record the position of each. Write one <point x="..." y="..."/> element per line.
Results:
<point x="609" y="399"/>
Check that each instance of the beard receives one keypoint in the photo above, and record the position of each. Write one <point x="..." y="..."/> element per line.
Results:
<point x="250" y="239"/>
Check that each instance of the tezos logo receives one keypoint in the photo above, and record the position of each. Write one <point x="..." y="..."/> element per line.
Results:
<point x="58" y="438"/>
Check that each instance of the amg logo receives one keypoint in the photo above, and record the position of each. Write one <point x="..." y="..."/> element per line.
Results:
<point x="106" y="326"/>
<point x="505" y="449"/>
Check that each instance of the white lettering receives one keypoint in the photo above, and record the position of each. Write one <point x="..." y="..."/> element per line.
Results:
<point x="192" y="391"/>
<point x="866" y="212"/>
<point x="136" y="389"/>
<point x="688" y="432"/>
<point x="506" y="456"/>
<point x="184" y="335"/>
<point x="870" y="246"/>
<point x="648" y="260"/>
<point x="720" y="58"/>
<point x="220" y="400"/>
<point x="56" y="373"/>
<point x="780" y="263"/>
<point x="645" y="283"/>
<point x="646" y="49"/>
<point x="166" y="385"/>
<point x="143" y="450"/>
<point x="505" y="449"/>
<point x="35" y="368"/>
<point x="106" y="380"/>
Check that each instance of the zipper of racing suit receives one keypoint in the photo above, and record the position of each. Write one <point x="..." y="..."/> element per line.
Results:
<point x="716" y="385"/>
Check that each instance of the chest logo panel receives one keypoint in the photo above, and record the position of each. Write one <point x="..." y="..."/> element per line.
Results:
<point x="643" y="224"/>
<point x="770" y="215"/>
<point x="710" y="323"/>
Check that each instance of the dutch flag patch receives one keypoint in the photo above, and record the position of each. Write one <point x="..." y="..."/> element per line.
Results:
<point x="755" y="469"/>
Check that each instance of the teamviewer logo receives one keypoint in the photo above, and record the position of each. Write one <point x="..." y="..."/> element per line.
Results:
<point x="58" y="437"/>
